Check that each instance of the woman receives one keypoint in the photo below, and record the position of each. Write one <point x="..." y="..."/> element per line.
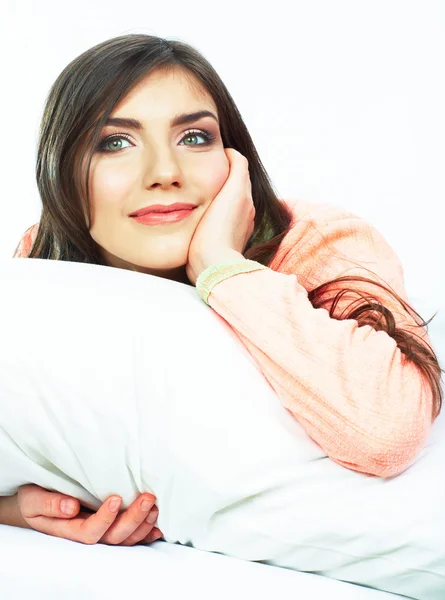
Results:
<point x="119" y="134"/>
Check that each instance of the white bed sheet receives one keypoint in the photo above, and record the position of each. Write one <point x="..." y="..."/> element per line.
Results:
<point x="38" y="566"/>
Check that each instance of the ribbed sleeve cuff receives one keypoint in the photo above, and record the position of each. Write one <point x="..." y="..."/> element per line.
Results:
<point x="223" y="270"/>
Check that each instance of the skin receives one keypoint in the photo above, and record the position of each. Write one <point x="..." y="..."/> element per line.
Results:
<point x="158" y="164"/>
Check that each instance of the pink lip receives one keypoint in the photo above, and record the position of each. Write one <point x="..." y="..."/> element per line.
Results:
<point x="162" y="208"/>
<point x="158" y="218"/>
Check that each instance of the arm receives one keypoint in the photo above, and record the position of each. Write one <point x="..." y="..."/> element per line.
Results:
<point x="351" y="388"/>
<point x="10" y="512"/>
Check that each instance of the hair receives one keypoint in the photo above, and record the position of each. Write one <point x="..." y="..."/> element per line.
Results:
<point x="77" y="106"/>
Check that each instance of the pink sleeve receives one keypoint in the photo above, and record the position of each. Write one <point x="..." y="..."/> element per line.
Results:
<point x="350" y="387"/>
<point x="26" y="242"/>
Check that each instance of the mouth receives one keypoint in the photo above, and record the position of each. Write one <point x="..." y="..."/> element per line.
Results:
<point x="162" y="208"/>
<point x="160" y="218"/>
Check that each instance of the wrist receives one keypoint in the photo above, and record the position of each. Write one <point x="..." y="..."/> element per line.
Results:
<point x="218" y="272"/>
<point x="10" y="512"/>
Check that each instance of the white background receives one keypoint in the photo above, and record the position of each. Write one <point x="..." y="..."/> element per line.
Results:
<point x="345" y="101"/>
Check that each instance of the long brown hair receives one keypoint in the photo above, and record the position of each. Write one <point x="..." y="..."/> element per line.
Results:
<point x="79" y="103"/>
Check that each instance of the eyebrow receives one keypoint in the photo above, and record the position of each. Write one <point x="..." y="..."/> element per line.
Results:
<point x="182" y="119"/>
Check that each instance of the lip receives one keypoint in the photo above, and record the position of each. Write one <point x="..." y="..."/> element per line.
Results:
<point x="160" y="218"/>
<point x="162" y="208"/>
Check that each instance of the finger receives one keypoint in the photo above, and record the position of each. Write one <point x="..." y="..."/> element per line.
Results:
<point x="141" y="533"/>
<point x="155" y="534"/>
<point x="249" y="182"/>
<point x="235" y="156"/>
<point x="239" y="165"/>
<point x="37" y="501"/>
<point x="249" y="190"/>
<point x="94" y="527"/>
<point x="129" y="521"/>
<point x="85" y="528"/>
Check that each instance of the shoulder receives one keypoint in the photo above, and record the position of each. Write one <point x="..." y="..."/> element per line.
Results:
<point x="325" y="241"/>
<point x="26" y="242"/>
<point x="332" y="225"/>
<point x="323" y="214"/>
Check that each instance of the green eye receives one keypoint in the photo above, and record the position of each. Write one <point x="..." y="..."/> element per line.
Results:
<point x="112" y="138"/>
<point x="205" y="135"/>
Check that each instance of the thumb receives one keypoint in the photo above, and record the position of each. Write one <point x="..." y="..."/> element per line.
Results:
<point x="69" y="507"/>
<point x="40" y="502"/>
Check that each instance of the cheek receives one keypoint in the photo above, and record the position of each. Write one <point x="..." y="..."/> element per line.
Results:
<point x="109" y="186"/>
<point x="214" y="176"/>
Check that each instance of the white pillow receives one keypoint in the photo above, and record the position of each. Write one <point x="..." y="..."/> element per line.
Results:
<point x="113" y="381"/>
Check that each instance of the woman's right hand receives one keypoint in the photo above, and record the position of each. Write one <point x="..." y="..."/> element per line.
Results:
<point x="42" y="511"/>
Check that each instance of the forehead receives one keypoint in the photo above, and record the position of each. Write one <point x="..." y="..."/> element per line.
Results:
<point x="163" y="92"/>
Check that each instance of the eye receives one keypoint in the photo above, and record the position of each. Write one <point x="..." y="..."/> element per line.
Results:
<point x="195" y="133"/>
<point x="111" y="138"/>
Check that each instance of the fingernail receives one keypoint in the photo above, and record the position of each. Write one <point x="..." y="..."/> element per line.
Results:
<point x="67" y="507"/>
<point x="145" y="505"/>
<point x="114" y="504"/>
<point x="152" y="517"/>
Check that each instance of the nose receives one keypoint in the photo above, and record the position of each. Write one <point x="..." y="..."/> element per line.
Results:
<point x="163" y="170"/>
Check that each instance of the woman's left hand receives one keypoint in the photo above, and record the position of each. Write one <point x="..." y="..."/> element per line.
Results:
<point x="228" y="222"/>
<point x="41" y="509"/>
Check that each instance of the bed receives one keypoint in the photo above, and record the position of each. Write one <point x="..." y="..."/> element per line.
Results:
<point x="39" y="566"/>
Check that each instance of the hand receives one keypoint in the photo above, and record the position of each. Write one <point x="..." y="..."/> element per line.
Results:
<point x="227" y="224"/>
<point x="42" y="511"/>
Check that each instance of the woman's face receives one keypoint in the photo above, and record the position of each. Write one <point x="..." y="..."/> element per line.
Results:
<point x="155" y="164"/>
